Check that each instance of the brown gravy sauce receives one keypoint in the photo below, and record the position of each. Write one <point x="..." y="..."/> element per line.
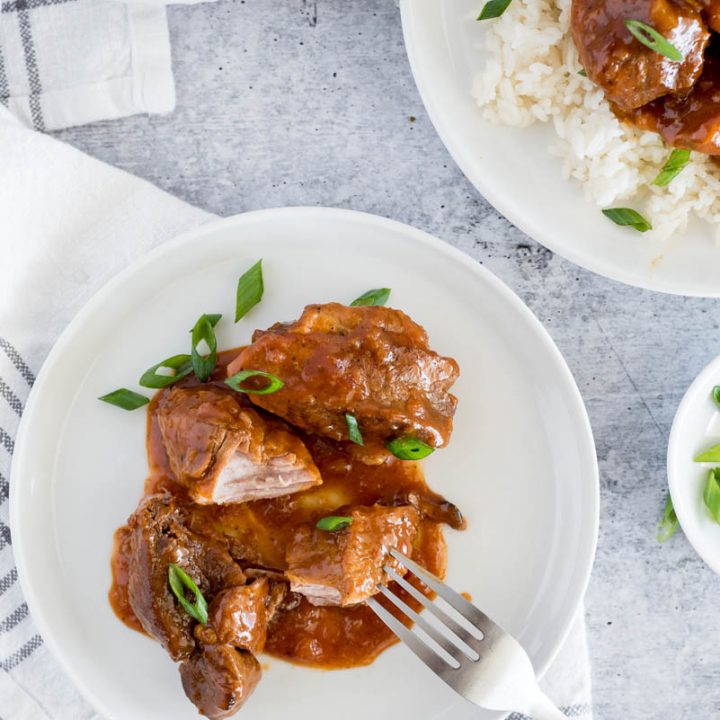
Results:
<point x="258" y="533"/>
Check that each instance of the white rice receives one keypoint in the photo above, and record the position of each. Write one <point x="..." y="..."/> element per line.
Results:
<point x="531" y="75"/>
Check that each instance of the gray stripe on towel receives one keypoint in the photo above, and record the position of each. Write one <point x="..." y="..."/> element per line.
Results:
<point x="12" y="399"/>
<point x="31" y="66"/>
<point x="4" y="89"/>
<point x="6" y="441"/>
<point x="8" y="581"/>
<point x="14" y="619"/>
<point x="17" y="361"/>
<point x="5" y="537"/>
<point x="13" y="5"/>
<point x="22" y="654"/>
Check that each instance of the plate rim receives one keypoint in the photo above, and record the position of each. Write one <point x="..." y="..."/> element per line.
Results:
<point x="504" y="203"/>
<point x="20" y="550"/>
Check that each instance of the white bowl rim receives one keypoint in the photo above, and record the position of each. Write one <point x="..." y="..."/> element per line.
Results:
<point x="697" y="392"/>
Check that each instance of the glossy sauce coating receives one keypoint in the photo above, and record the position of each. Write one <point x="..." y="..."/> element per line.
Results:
<point x="630" y="73"/>
<point x="692" y="121"/>
<point x="258" y="533"/>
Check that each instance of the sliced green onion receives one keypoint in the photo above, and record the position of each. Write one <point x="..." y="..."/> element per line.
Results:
<point x="409" y="448"/>
<point x="629" y="217"/>
<point x="673" y="167"/>
<point x="583" y="72"/>
<point x="379" y="296"/>
<point x="651" y="38"/>
<point x="250" y="290"/>
<point x="333" y="523"/>
<point x="716" y="394"/>
<point x="180" y="582"/>
<point x="167" y="372"/>
<point x="235" y="382"/>
<point x="204" y="348"/>
<point x="710" y="455"/>
<point x="214" y="319"/>
<point x="668" y="523"/>
<point x="493" y="9"/>
<point x="125" y="399"/>
<point x="711" y="494"/>
<point x="354" y="429"/>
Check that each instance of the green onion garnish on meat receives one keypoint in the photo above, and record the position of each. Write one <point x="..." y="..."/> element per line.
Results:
<point x="668" y="523"/>
<point x="628" y="217"/>
<point x="673" y="167"/>
<point x="711" y="494"/>
<point x="204" y="348"/>
<point x="354" y="429"/>
<point x="125" y="399"/>
<point x="651" y="38"/>
<point x="583" y="72"/>
<point x="409" y="448"/>
<point x="236" y="382"/>
<point x="493" y="9"/>
<point x="333" y="523"/>
<point x="180" y="583"/>
<point x="379" y="296"/>
<point x="250" y="290"/>
<point x="167" y="372"/>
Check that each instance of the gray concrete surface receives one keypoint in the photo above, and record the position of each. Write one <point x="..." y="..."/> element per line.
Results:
<point x="284" y="102"/>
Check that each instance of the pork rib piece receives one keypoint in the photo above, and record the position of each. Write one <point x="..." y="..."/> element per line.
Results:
<point x="692" y="121"/>
<point x="224" y="452"/>
<point x="159" y="536"/>
<point x="345" y="567"/>
<point x="218" y="670"/>
<point x="630" y="73"/>
<point x="371" y="362"/>
<point x="239" y="616"/>
<point x="219" y="679"/>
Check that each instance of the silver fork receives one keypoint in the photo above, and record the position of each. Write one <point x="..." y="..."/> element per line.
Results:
<point x="486" y="665"/>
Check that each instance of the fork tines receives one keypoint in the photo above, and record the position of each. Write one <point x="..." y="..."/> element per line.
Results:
<point x="444" y="647"/>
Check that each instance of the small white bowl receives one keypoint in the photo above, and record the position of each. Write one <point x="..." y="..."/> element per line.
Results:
<point x="696" y="427"/>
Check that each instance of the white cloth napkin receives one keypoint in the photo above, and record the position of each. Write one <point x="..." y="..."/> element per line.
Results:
<point x="68" y="223"/>
<point x="70" y="62"/>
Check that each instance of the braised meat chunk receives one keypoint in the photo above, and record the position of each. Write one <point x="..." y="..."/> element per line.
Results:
<point x="224" y="452"/>
<point x="159" y="537"/>
<point x="239" y="615"/>
<point x="371" y="362"/>
<point x="219" y="679"/>
<point x="219" y="670"/>
<point x="693" y="121"/>
<point x="631" y="74"/>
<point x="346" y="567"/>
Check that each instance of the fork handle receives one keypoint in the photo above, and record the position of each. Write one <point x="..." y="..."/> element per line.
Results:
<point x="543" y="708"/>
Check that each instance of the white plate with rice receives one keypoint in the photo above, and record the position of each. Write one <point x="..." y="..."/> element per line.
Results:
<point x="541" y="144"/>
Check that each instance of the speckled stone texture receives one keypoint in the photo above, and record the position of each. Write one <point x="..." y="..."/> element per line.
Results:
<point x="285" y="102"/>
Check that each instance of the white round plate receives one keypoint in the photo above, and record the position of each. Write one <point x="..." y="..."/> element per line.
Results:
<point x="521" y="464"/>
<point x="512" y="168"/>
<point x="696" y="427"/>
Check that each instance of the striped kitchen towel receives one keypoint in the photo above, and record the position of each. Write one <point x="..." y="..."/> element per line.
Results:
<point x="70" y="62"/>
<point x="68" y="224"/>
